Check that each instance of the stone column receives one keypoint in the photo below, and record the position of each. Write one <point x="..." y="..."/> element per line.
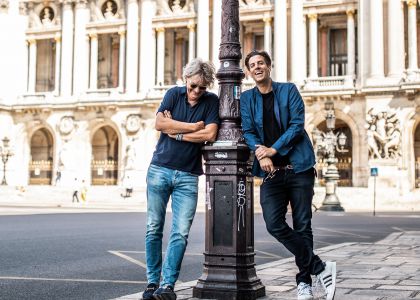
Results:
<point x="160" y="68"/>
<point x="203" y="29"/>
<point x="396" y="52"/>
<point x="32" y="66"/>
<point x="67" y="49"/>
<point x="412" y="35"/>
<point x="267" y="33"/>
<point x="324" y="51"/>
<point x="376" y="39"/>
<point x="179" y="41"/>
<point x="57" y="64"/>
<point x="81" y="49"/>
<point x="217" y="31"/>
<point x="297" y="42"/>
<point x="351" y="44"/>
<point x="93" y="61"/>
<point x="132" y="46"/>
<point x="121" y="63"/>
<point x="191" y="40"/>
<point x="146" y="82"/>
<point x="280" y="41"/>
<point x="313" y="45"/>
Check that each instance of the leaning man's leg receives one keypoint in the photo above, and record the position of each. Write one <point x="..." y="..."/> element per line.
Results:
<point x="184" y="204"/>
<point x="158" y="192"/>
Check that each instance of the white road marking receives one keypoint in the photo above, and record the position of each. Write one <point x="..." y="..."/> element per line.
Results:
<point x="343" y="232"/>
<point x="71" y="280"/>
<point x="132" y="260"/>
<point x="269" y="255"/>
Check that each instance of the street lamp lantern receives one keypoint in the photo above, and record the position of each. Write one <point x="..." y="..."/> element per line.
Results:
<point x="330" y="116"/>
<point x="5" y="153"/>
<point x="326" y="144"/>
<point x="6" y="142"/>
<point x="342" y="140"/>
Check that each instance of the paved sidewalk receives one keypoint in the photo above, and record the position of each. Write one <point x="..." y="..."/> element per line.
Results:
<point x="388" y="269"/>
<point x="57" y="199"/>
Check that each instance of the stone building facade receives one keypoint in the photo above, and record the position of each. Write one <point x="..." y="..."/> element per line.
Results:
<point x="82" y="79"/>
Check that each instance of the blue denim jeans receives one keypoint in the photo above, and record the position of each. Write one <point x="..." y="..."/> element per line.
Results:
<point x="183" y="189"/>
<point x="297" y="189"/>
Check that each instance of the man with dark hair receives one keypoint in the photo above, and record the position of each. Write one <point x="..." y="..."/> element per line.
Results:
<point x="187" y="117"/>
<point x="273" y="118"/>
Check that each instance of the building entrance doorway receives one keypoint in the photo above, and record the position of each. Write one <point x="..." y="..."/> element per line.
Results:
<point x="104" y="165"/>
<point x="41" y="162"/>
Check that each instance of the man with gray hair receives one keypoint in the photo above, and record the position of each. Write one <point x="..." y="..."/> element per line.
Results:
<point x="187" y="117"/>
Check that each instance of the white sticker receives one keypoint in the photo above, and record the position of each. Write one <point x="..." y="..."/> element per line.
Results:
<point x="221" y="155"/>
<point x="226" y="64"/>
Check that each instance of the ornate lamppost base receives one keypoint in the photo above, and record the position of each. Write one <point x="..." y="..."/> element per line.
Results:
<point x="331" y="203"/>
<point x="234" y="291"/>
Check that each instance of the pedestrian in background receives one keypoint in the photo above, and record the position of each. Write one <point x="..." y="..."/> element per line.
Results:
<point x="75" y="191"/>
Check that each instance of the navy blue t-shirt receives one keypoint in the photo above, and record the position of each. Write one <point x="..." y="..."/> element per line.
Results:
<point x="182" y="155"/>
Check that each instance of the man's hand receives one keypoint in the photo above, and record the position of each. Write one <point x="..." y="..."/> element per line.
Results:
<point x="199" y="126"/>
<point x="167" y="114"/>
<point x="266" y="164"/>
<point x="263" y="152"/>
<point x="195" y="126"/>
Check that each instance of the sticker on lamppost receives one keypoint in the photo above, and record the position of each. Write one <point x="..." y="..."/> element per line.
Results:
<point x="241" y="202"/>
<point x="237" y="92"/>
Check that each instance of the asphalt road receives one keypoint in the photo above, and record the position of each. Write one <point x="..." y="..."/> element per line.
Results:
<point x="101" y="256"/>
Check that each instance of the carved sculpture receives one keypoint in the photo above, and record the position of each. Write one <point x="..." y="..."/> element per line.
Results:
<point x="383" y="135"/>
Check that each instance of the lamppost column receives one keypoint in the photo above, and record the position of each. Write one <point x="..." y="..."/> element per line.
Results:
<point x="331" y="201"/>
<point x="229" y="268"/>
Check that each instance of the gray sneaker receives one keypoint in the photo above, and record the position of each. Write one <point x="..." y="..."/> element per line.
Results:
<point x="327" y="279"/>
<point x="304" y="291"/>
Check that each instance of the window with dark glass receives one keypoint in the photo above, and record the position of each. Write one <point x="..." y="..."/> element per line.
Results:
<point x="338" y="52"/>
<point x="108" y="60"/>
<point x="45" y="65"/>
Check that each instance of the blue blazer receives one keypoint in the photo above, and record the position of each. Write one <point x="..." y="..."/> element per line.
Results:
<point x="289" y="110"/>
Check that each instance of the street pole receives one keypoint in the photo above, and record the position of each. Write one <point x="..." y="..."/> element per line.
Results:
<point x="229" y="267"/>
<point x="4" y="160"/>
<point x="331" y="201"/>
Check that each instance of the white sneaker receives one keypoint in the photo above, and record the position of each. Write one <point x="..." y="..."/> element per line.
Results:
<point x="327" y="279"/>
<point x="304" y="291"/>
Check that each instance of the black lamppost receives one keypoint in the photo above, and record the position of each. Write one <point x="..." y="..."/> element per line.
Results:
<point x="5" y="152"/>
<point x="325" y="145"/>
<point x="229" y="268"/>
